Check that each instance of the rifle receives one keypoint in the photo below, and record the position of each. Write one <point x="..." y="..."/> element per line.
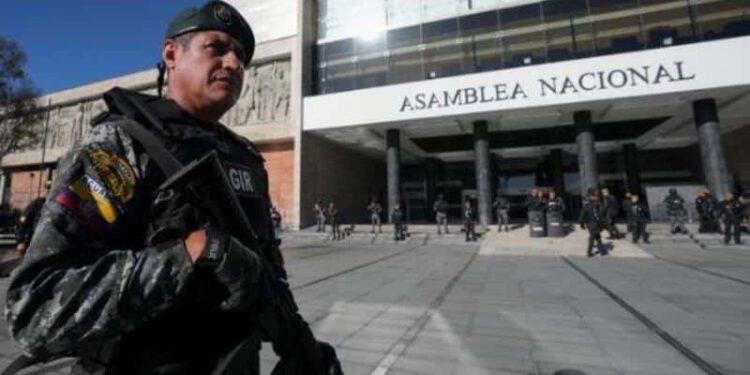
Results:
<point x="206" y="181"/>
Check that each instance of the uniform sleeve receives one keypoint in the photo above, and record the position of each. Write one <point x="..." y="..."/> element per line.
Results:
<point x="76" y="284"/>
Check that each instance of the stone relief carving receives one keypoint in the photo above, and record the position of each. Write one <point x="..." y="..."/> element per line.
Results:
<point x="264" y="98"/>
<point x="265" y="95"/>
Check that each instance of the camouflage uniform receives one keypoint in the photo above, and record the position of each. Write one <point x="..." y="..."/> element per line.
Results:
<point x="91" y="276"/>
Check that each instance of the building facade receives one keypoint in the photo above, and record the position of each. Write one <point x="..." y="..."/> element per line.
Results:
<point x="402" y="100"/>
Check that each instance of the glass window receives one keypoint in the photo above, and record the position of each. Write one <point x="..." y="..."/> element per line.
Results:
<point x="339" y="49"/>
<point x="569" y="29"/>
<point x="523" y="39"/>
<point x="723" y="18"/>
<point x="405" y="66"/>
<point x="482" y="4"/>
<point x="479" y="34"/>
<point x="373" y="72"/>
<point x="617" y="24"/>
<point x="408" y="36"/>
<point x="340" y="77"/>
<point x="666" y="22"/>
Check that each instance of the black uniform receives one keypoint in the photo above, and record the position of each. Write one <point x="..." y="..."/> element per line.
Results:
<point x="471" y="234"/>
<point x="676" y="211"/>
<point x="611" y="208"/>
<point x="626" y="207"/>
<point x="95" y="274"/>
<point x="594" y="220"/>
<point x="731" y="214"/>
<point x="397" y="218"/>
<point x="708" y="212"/>
<point x="502" y="206"/>
<point x="440" y="207"/>
<point x="639" y="218"/>
<point x="536" y="207"/>
<point x="334" y="218"/>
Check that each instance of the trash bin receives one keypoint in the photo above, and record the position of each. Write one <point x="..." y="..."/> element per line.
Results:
<point x="555" y="224"/>
<point x="537" y="227"/>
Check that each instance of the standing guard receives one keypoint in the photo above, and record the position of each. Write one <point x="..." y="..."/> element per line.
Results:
<point x="471" y="234"/>
<point x="320" y="215"/>
<point x="628" y="212"/>
<point x="731" y="213"/>
<point x="397" y="218"/>
<point x="708" y="211"/>
<point x="440" y="208"/>
<point x="502" y="206"/>
<point x="334" y="217"/>
<point x="536" y="206"/>
<point x="555" y="211"/>
<point x="676" y="211"/>
<point x="593" y="219"/>
<point x="639" y="218"/>
<point x="375" y="209"/>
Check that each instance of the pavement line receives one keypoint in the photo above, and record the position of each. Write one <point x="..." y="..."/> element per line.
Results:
<point x="411" y="333"/>
<point x="348" y="270"/>
<point x="712" y="273"/>
<point x="671" y="340"/>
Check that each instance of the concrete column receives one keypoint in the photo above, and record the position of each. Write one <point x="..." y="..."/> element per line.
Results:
<point x="482" y="166"/>
<point x="632" y="168"/>
<point x="715" y="168"/>
<point x="393" y="146"/>
<point x="432" y="169"/>
<point x="558" y="174"/>
<point x="586" y="151"/>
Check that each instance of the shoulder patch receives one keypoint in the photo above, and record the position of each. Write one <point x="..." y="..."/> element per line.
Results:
<point x="115" y="173"/>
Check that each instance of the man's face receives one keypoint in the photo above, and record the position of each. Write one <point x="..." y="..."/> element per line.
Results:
<point x="605" y="192"/>
<point x="208" y="71"/>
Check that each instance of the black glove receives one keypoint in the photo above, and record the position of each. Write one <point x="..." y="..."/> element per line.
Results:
<point x="235" y="266"/>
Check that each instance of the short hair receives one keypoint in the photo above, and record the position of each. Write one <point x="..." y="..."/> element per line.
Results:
<point x="184" y="39"/>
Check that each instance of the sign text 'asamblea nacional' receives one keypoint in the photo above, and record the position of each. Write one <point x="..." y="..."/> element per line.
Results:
<point x="614" y="79"/>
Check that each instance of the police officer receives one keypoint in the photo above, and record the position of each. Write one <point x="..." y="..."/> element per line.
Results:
<point x="731" y="213"/>
<point x="397" y="218"/>
<point x="611" y="208"/>
<point x="502" y="206"/>
<point x="594" y="220"/>
<point x="639" y="218"/>
<point x="676" y="211"/>
<point x="469" y="227"/>
<point x="555" y="207"/>
<point x="320" y="215"/>
<point x="707" y="208"/>
<point x="334" y="217"/>
<point x="138" y="280"/>
<point x="440" y="208"/>
<point x="535" y="207"/>
<point x="626" y="208"/>
<point x="375" y="209"/>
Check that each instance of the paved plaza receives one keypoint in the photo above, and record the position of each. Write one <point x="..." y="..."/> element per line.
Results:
<point x="509" y="304"/>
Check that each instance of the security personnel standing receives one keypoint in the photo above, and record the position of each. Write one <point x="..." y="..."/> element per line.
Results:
<point x="593" y="219"/>
<point x="334" y="217"/>
<point x="502" y="207"/>
<point x="471" y="234"/>
<point x="555" y="211"/>
<point x="731" y="213"/>
<point x="708" y="209"/>
<point x="397" y="218"/>
<point x="375" y="209"/>
<point x="133" y="278"/>
<point x="626" y="208"/>
<point x="320" y="215"/>
<point x="440" y="208"/>
<point x="639" y="217"/>
<point x="676" y="211"/>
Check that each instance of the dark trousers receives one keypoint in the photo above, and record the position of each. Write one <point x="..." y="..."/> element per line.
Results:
<point x="729" y="228"/>
<point x="612" y="228"/>
<point x="502" y="220"/>
<point x="595" y="237"/>
<point x="398" y="231"/>
<point x="471" y="235"/>
<point x="336" y="230"/>
<point x="708" y="224"/>
<point x="639" y="231"/>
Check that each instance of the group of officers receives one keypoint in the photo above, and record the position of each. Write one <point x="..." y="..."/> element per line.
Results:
<point x="712" y="214"/>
